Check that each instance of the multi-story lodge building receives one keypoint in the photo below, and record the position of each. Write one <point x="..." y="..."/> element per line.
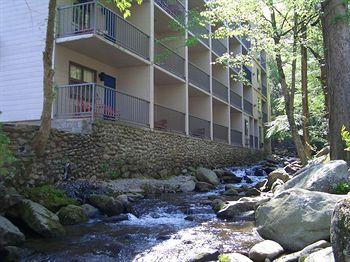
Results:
<point x="113" y="68"/>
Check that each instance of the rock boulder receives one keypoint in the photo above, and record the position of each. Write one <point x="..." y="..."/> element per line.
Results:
<point x="296" y="218"/>
<point x="71" y="215"/>
<point x="266" y="249"/>
<point x="107" y="204"/>
<point x="208" y="176"/>
<point x="9" y="233"/>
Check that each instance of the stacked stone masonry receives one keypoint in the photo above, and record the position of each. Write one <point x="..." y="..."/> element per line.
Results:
<point x="113" y="150"/>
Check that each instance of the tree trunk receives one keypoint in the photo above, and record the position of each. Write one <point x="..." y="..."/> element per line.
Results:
<point x="41" y="138"/>
<point x="336" y="37"/>
<point x="304" y="92"/>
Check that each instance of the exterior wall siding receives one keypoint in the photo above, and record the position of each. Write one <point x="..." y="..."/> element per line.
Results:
<point x="22" y="41"/>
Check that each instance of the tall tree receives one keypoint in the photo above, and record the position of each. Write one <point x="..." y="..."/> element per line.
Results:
<point x="336" y="35"/>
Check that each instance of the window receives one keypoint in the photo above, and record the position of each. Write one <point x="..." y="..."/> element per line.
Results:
<point x="79" y="74"/>
<point x="246" y="127"/>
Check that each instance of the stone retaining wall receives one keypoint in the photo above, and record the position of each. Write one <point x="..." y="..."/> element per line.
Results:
<point x="117" y="150"/>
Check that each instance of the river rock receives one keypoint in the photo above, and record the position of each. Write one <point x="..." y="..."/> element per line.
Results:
<point x="232" y="178"/>
<point x="208" y="176"/>
<point x="204" y="187"/>
<point x="253" y="192"/>
<point x="107" y="204"/>
<point x="40" y="219"/>
<point x="340" y="230"/>
<point x="211" y="255"/>
<point x="10" y="254"/>
<point x="71" y="215"/>
<point x="90" y="211"/>
<point x="322" y="177"/>
<point x="265" y="249"/>
<point x="231" y="192"/>
<point x="235" y="209"/>
<point x="8" y="197"/>
<point x="275" y="186"/>
<point x="188" y="186"/>
<point x="9" y="233"/>
<point x="234" y="257"/>
<point x="296" y="218"/>
<point x="280" y="174"/>
<point x="323" y="255"/>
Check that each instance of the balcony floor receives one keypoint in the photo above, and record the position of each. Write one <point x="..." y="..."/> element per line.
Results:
<point x="102" y="50"/>
<point x="164" y="77"/>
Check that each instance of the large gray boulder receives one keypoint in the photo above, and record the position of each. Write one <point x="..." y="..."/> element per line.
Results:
<point x="9" y="233"/>
<point x="40" y="219"/>
<point x="8" y="197"/>
<point x="340" y="231"/>
<point x="296" y="218"/>
<point x="266" y="249"/>
<point x="208" y="176"/>
<point x="278" y="174"/>
<point x="323" y="255"/>
<point x="234" y="257"/>
<point x="322" y="177"/>
<point x="106" y="204"/>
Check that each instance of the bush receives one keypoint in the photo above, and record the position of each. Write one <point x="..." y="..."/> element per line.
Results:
<point x="342" y="189"/>
<point x="50" y="197"/>
<point x="6" y="156"/>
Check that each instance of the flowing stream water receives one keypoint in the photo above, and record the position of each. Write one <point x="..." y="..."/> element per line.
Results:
<point x="169" y="227"/>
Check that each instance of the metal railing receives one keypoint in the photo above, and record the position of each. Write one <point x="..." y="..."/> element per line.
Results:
<point x="175" y="8"/>
<point x="201" y="32"/>
<point x="247" y="73"/>
<point x="220" y="90"/>
<point x="199" y="127"/>
<point x="264" y="90"/>
<point x="263" y="61"/>
<point x="198" y="77"/>
<point x="220" y="132"/>
<point x="265" y="117"/>
<point x="247" y="107"/>
<point x="96" y="101"/>
<point x="169" y="60"/>
<point x="235" y="99"/>
<point x="218" y="47"/>
<point x="95" y="18"/>
<point x="236" y="138"/>
<point x="246" y="42"/>
<point x="169" y="119"/>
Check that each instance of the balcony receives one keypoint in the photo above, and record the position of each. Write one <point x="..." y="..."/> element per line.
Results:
<point x="90" y="100"/>
<point x="236" y="138"/>
<point x="169" y="60"/>
<point x="167" y="119"/>
<point x="264" y="90"/>
<point x="218" y="47"/>
<point x="263" y="61"/>
<point x="174" y="8"/>
<point x="220" y="133"/>
<point x="256" y="142"/>
<point x="251" y="141"/>
<point x="220" y="90"/>
<point x="246" y="42"/>
<point x="247" y="107"/>
<point x="235" y="99"/>
<point x="247" y="74"/>
<point x="198" y="77"/>
<point x="200" y="32"/>
<point x="199" y="127"/>
<point x="93" y="18"/>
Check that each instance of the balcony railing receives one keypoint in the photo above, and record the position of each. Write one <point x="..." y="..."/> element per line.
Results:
<point x="201" y="33"/>
<point x="198" y="77"/>
<point x="247" y="74"/>
<point x="265" y="117"/>
<point x="220" y="90"/>
<point x="199" y="127"/>
<point x="169" y="60"/>
<point x="264" y="90"/>
<point x="175" y="8"/>
<point x="263" y="61"/>
<point x="236" y="138"/>
<point x="94" y="18"/>
<point x="218" y="47"/>
<point x="247" y="107"/>
<point x="220" y="132"/>
<point x="95" y="101"/>
<point x="235" y="99"/>
<point x="168" y="119"/>
<point x="246" y="42"/>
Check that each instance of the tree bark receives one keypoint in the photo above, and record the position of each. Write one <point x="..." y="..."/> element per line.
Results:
<point x="41" y="138"/>
<point x="336" y="37"/>
<point x="304" y="91"/>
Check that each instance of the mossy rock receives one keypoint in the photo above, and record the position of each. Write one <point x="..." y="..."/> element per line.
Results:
<point x="71" y="215"/>
<point x="50" y="197"/>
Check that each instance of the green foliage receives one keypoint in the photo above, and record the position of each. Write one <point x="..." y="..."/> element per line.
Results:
<point x="346" y="137"/>
<point x="104" y="167"/>
<point x="342" y="189"/>
<point x="224" y="258"/>
<point x="125" y="5"/>
<point x="115" y="174"/>
<point x="6" y="156"/>
<point x="49" y="196"/>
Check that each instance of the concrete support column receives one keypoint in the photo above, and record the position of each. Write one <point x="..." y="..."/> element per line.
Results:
<point x="151" y="96"/>
<point x="187" y="118"/>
